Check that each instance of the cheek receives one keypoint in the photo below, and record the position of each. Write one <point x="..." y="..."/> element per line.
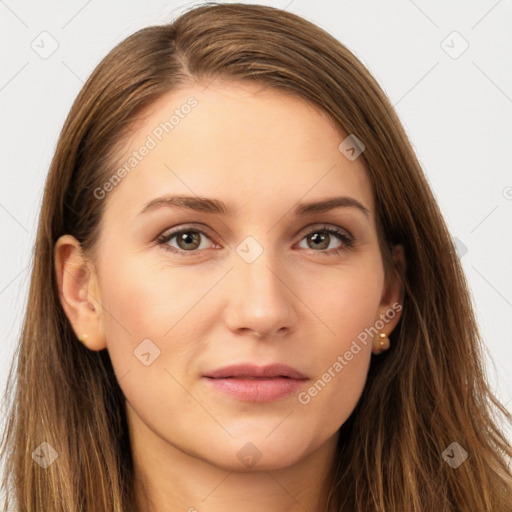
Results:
<point x="347" y="302"/>
<point x="149" y="332"/>
<point x="347" y="306"/>
<point x="341" y="362"/>
<point x="146" y="299"/>
<point x="336" y="389"/>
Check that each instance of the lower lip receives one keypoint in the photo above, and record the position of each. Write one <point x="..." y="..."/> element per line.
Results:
<point x="257" y="390"/>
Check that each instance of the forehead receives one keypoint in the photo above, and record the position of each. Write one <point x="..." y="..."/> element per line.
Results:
<point x="237" y="142"/>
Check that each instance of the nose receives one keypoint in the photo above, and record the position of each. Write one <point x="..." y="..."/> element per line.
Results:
<point x="262" y="300"/>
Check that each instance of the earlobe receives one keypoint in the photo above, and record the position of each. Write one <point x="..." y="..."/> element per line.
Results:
<point x="79" y="292"/>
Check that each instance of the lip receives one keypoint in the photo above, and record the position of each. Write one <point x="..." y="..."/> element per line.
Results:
<point x="252" y="383"/>
<point x="251" y="370"/>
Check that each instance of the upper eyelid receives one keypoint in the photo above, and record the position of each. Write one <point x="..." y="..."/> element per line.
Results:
<point x="171" y="232"/>
<point x="325" y="225"/>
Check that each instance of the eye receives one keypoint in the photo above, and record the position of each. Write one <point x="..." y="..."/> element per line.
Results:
<point x="320" y="239"/>
<point x="187" y="240"/>
<point x="190" y="240"/>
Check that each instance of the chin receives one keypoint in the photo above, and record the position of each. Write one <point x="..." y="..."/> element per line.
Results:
<point x="254" y="456"/>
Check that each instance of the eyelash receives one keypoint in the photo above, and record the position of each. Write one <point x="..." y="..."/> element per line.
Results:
<point x="340" y="234"/>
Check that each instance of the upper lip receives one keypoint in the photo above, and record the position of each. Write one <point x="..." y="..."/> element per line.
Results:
<point x="250" y="370"/>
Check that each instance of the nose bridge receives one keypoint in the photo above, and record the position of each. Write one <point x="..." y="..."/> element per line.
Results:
<point x="262" y="301"/>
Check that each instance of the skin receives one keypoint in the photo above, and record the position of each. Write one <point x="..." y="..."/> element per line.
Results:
<point x="262" y="151"/>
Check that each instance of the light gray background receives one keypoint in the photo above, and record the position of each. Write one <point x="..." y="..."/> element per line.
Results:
<point x="456" y="111"/>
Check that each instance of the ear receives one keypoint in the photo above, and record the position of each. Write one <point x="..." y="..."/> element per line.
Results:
<point x="79" y="292"/>
<point x="391" y="305"/>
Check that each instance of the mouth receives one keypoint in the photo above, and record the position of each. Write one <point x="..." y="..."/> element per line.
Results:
<point x="251" y="383"/>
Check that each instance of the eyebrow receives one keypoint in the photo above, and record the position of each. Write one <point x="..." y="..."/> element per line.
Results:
<point x="215" y="206"/>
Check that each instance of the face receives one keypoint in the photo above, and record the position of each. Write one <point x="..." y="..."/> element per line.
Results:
<point x="246" y="272"/>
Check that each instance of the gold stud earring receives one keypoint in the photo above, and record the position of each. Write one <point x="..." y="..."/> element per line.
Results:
<point x="380" y="343"/>
<point x="83" y="338"/>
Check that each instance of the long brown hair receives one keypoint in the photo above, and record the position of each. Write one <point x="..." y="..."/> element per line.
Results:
<point x="425" y="393"/>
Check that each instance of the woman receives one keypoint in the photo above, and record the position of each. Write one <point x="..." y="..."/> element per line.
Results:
<point x="244" y="295"/>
